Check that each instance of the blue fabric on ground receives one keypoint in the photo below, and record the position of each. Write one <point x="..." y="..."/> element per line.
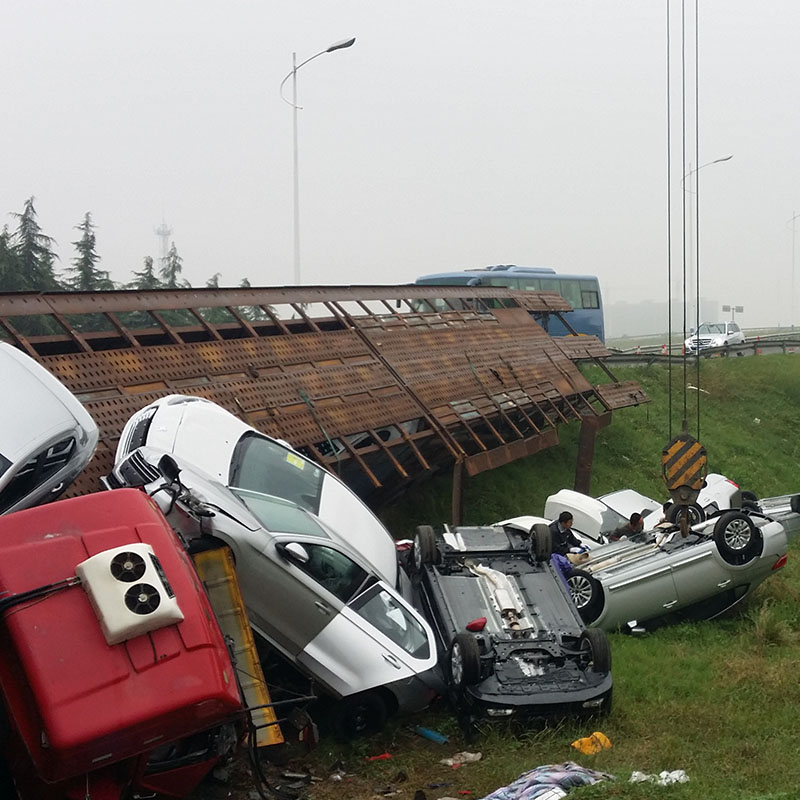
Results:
<point x="536" y="782"/>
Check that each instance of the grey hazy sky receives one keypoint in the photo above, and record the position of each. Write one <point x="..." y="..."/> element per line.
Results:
<point x="453" y="134"/>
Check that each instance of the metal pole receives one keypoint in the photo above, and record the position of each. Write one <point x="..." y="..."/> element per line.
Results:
<point x="794" y="228"/>
<point x="296" y="174"/>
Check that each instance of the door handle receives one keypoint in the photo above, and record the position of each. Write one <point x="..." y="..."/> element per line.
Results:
<point x="322" y="608"/>
<point x="723" y="584"/>
<point x="670" y="604"/>
<point x="390" y="659"/>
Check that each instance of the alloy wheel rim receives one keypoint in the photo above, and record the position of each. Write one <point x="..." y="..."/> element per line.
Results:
<point x="737" y="534"/>
<point x="581" y="590"/>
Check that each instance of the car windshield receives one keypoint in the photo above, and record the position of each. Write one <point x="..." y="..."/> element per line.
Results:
<point x="711" y="327"/>
<point x="266" y="467"/>
<point x="279" y="516"/>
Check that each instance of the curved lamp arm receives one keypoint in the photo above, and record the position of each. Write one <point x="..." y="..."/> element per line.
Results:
<point x="335" y="46"/>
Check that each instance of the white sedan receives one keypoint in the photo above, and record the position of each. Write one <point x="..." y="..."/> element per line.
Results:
<point x="46" y="435"/>
<point x="232" y="452"/>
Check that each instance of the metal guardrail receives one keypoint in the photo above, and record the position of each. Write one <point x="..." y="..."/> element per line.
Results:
<point x="660" y="354"/>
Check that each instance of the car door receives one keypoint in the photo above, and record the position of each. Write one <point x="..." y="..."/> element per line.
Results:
<point x="376" y="640"/>
<point x="639" y="589"/>
<point x="698" y="571"/>
<point x="284" y="602"/>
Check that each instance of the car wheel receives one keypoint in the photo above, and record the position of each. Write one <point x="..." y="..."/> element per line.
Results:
<point x="542" y="542"/>
<point x="425" y="551"/>
<point x="595" y="650"/>
<point x="464" y="661"/>
<point x="737" y="538"/>
<point x="749" y="497"/>
<point x="359" y="715"/>
<point x="696" y="513"/>
<point x="586" y="593"/>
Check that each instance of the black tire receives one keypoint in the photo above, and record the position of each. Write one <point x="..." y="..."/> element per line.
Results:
<point x="542" y="541"/>
<point x="586" y="593"/>
<point x="425" y="551"/>
<point x="596" y="650"/>
<point x="696" y="513"/>
<point x="794" y="503"/>
<point x="464" y="661"/>
<point x="737" y="538"/>
<point x="749" y="497"/>
<point x="359" y="715"/>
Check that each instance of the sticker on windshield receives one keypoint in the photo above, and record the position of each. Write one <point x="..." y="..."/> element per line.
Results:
<point x="295" y="461"/>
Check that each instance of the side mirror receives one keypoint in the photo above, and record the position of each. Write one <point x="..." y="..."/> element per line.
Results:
<point x="169" y="468"/>
<point x="294" y="552"/>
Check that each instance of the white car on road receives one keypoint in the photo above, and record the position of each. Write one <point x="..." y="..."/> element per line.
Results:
<point x="714" y="334"/>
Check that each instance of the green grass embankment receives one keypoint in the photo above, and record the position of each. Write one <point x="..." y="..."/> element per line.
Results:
<point x="719" y="699"/>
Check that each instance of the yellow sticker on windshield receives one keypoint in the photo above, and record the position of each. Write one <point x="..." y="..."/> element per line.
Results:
<point x="295" y="461"/>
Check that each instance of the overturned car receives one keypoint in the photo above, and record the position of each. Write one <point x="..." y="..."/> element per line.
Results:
<point x="509" y="638"/>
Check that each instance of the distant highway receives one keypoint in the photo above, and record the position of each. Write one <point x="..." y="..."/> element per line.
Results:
<point x="758" y="346"/>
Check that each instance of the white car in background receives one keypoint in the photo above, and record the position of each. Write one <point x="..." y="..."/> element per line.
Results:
<point x="46" y="436"/>
<point x="714" y="334"/>
<point x="213" y="440"/>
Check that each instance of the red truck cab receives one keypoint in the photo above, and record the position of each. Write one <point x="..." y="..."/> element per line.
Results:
<point x="151" y="712"/>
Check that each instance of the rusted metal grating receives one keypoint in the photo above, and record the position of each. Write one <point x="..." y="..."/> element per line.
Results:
<point x="384" y="384"/>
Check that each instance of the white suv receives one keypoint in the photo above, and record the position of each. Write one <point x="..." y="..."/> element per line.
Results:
<point x="714" y="334"/>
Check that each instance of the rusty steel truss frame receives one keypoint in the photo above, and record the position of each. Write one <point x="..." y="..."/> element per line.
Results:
<point x="383" y="384"/>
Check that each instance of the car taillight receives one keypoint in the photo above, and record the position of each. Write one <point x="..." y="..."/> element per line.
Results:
<point x="476" y="625"/>
<point x="732" y="483"/>
<point x="781" y="562"/>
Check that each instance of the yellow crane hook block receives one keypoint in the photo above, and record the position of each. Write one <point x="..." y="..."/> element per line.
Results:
<point x="684" y="462"/>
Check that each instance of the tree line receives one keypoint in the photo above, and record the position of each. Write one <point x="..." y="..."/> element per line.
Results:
<point x="28" y="262"/>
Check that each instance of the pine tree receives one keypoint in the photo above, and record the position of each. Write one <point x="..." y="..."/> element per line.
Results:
<point x="86" y="276"/>
<point x="146" y="279"/>
<point x="10" y="270"/>
<point x="171" y="270"/>
<point x="34" y="252"/>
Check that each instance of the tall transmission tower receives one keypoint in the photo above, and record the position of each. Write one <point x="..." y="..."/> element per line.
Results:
<point x="163" y="231"/>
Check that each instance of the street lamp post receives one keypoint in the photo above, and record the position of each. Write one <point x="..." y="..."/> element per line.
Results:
<point x="690" y="174"/>
<point x="794" y="231"/>
<point x="295" y="108"/>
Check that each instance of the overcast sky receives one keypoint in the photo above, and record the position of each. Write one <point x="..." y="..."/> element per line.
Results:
<point x="452" y="134"/>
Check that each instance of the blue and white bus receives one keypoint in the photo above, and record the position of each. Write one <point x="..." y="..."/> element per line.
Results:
<point x="582" y="292"/>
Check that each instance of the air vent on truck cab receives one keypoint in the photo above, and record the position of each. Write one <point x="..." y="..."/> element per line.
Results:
<point x="129" y="592"/>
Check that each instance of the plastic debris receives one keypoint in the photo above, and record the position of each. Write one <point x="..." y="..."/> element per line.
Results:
<point x="589" y="745"/>
<point x="381" y="757"/>
<point x="461" y="758"/>
<point x="664" y="778"/>
<point x="434" y="736"/>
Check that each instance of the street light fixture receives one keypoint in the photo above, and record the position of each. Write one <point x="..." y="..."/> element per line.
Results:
<point x="692" y="172"/>
<point x="295" y="108"/>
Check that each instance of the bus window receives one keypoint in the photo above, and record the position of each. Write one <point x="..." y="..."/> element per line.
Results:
<point x="530" y="284"/>
<point x="508" y="283"/>
<point x="589" y="295"/>
<point x="571" y="292"/>
<point x="550" y="285"/>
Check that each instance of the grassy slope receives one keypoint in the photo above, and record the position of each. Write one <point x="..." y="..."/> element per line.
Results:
<point x="718" y="699"/>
